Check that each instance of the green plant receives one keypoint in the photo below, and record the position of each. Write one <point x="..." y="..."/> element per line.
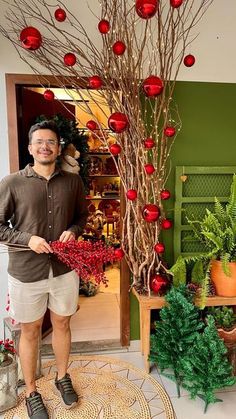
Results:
<point x="217" y="232"/>
<point x="224" y="317"/>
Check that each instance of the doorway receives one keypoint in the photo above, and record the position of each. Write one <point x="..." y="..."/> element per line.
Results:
<point x="17" y="123"/>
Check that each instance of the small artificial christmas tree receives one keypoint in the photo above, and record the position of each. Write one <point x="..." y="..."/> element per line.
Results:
<point x="175" y="333"/>
<point x="205" y="367"/>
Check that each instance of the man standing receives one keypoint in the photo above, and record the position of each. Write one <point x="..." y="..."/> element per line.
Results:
<point x="38" y="205"/>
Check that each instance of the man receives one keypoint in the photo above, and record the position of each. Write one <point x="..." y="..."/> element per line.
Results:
<point x="38" y="205"/>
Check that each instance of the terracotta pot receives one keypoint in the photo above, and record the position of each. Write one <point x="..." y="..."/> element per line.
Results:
<point x="229" y="336"/>
<point x="225" y="285"/>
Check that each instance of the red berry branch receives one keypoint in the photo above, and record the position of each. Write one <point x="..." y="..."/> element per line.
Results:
<point x="85" y="257"/>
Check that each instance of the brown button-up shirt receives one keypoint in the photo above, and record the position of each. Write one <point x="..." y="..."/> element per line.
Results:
<point x="31" y="205"/>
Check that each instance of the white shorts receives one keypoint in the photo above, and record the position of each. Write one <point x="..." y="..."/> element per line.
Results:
<point x="30" y="300"/>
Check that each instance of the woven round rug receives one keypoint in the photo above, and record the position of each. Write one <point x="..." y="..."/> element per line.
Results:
<point x="108" y="389"/>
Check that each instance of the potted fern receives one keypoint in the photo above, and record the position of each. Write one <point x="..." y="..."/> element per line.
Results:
<point x="217" y="232"/>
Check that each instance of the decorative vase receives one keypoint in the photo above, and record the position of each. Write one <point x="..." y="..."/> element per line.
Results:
<point x="225" y="285"/>
<point x="229" y="337"/>
<point x="8" y="385"/>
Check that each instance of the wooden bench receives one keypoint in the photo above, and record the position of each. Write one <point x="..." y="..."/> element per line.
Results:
<point x="146" y="304"/>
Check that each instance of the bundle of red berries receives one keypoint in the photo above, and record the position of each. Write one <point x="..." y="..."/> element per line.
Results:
<point x="87" y="258"/>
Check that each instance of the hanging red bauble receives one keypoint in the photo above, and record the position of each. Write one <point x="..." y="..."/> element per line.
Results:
<point x="166" y="224"/>
<point x="159" y="248"/>
<point x="165" y="194"/>
<point x="150" y="213"/>
<point x="152" y="86"/>
<point x="119" y="253"/>
<point x="69" y="59"/>
<point x="48" y="95"/>
<point x="95" y="82"/>
<point x="104" y="26"/>
<point x="169" y="131"/>
<point x="176" y="3"/>
<point x="92" y="125"/>
<point x="149" y="143"/>
<point x="131" y="194"/>
<point x="118" y="122"/>
<point x="60" y="15"/>
<point x="30" y="38"/>
<point x="149" y="169"/>
<point x="146" y="8"/>
<point x="158" y="283"/>
<point x="189" y="60"/>
<point x="119" y="48"/>
<point x="115" y="149"/>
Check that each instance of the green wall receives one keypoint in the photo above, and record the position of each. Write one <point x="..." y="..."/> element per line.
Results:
<point x="207" y="138"/>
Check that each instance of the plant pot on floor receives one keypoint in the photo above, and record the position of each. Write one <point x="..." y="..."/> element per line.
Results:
<point x="225" y="285"/>
<point x="8" y="385"/>
<point x="229" y="337"/>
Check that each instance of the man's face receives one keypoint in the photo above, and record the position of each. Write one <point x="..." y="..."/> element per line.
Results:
<point x="44" y="146"/>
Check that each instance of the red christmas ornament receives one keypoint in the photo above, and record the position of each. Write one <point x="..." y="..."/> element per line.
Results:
<point x="152" y="86"/>
<point x="30" y="38"/>
<point x="149" y="143"/>
<point x="166" y="224"/>
<point x="115" y="149"/>
<point x="60" y="15"/>
<point x="159" y="248"/>
<point x="146" y="8"/>
<point x="104" y="26"/>
<point x="150" y="213"/>
<point x="176" y="3"/>
<point x="169" y="131"/>
<point x="119" y="253"/>
<point x="157" y="283"/>
<point x="48" y="95"/>
<point x="149" y="168"/>
<point x="131" y="194"/>
<point x="95" y="82"/>
<point x="92" y="125"/>
<point x="165" y="194"/>
<point x="69" y="59"/>
<point x="118" y="122"/>
<point x="189" y="60"/>
<point x="119" y="48"/>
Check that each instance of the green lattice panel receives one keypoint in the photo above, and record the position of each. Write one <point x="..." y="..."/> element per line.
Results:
<point x="193" y="196"/>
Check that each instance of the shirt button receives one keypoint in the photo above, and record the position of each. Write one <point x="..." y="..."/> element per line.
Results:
<point x="49" y="196"/>
<point x="50" y="226"/>
<point x="50" y="212"/>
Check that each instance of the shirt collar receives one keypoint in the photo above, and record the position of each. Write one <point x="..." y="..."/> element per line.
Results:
<point x="28" y="171"/>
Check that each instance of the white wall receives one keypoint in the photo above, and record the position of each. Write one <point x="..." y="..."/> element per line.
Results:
<point x="215" y="61"/>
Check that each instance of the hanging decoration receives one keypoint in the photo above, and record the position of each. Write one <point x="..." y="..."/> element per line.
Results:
<point x="189" y="60"/>
<point x="118" y="122"/>
<point x="152" y="86"/>
<point x="104" y="26"/>
<point x="149" y="143"/>
<point x="165" y="194"/>
<point x="158" y="283"/>
<point x="166" y="224"/>
<point x="48" y="95"/>
<point x="60" y="15"/>
<point x="92" y="125"/>
<point x="146" y="8"/>
<point x="169" y="131"/>
<point x="119" y="253"/>
<point x="95" y="82"/>
<point x="30" y="38"/>
<point x="149" y="169"/>
<point x="119" y="48"/>
<point x="151" y="213"/>
<point x="69" y="59"/>
<point x="131" y="194"/>
<point x="176" y="3"/>
<point x="159" y="248"/>
<point x="115" y="149"/>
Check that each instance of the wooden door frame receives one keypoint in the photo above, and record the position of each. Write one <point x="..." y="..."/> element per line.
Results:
<point x="12" y="81"/>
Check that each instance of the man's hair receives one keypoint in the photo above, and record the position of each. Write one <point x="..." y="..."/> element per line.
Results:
<point x="47" y="124"/>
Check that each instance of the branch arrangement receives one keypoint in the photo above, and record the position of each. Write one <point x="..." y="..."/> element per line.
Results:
<point x="133" y="68"/>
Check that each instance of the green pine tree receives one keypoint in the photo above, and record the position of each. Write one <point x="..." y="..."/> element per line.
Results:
<point x="175" y="333"/>
<point x="205" y="367"/>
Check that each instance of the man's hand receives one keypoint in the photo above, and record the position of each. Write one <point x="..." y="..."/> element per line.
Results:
<point x="39" y="245"/>
<point x="66" y="236"/>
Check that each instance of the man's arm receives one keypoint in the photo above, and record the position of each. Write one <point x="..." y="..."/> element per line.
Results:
<point x="7" y="206"/>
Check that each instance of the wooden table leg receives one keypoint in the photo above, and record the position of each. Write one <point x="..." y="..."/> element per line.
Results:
<point x="141" y="327"/>
<point x="146" y="319"/>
